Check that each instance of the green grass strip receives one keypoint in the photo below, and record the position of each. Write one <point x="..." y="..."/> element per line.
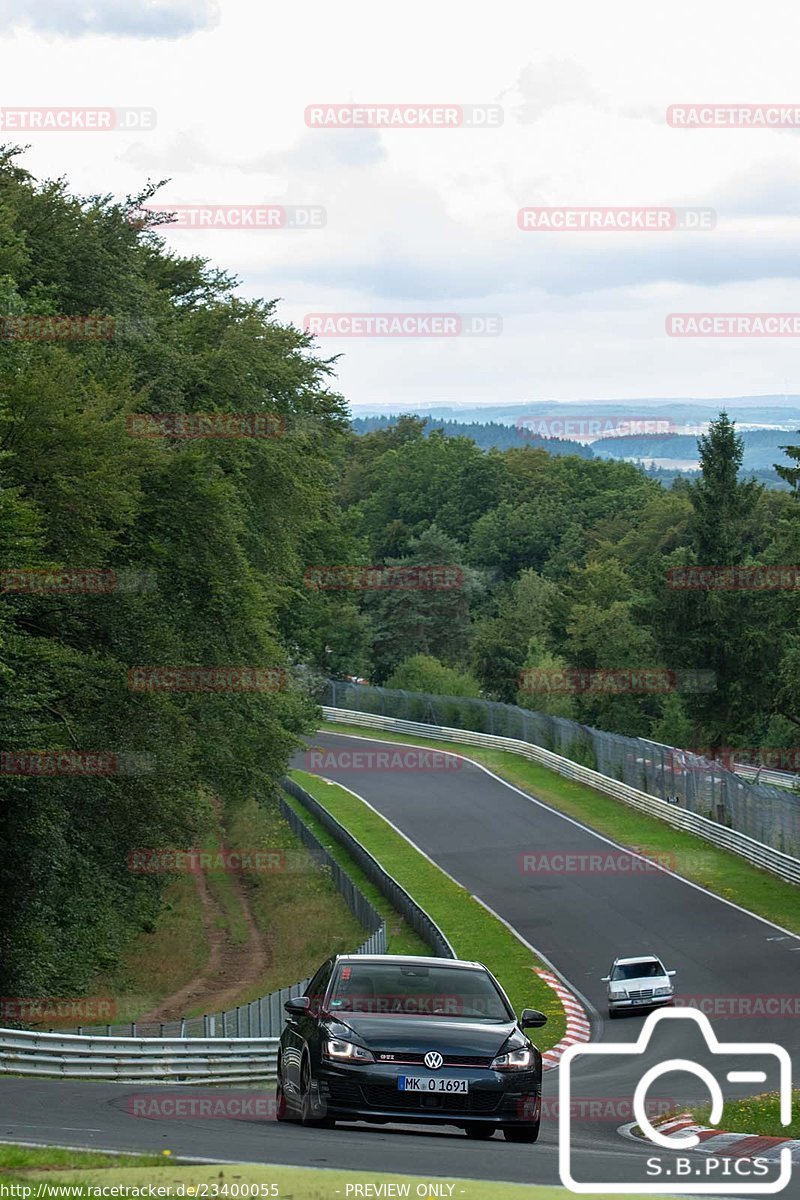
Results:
<point x="473" y="932"/>
<point x="20" y="1157"/>
<point x="725" y="874"/>
<point x="755" y="1114"/>
<point x="400" y="937"/>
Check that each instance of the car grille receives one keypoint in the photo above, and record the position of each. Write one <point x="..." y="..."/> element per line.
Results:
<point x="418" y="1060"/>
<point x="470" y="1102"/>
<point x="645" y="994"/>
<point x="344" y="1091"/>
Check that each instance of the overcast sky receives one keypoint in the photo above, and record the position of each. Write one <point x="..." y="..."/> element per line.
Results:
<point x="426" y="221"/>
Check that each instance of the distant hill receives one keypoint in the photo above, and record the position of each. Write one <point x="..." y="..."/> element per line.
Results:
<point x="488" y="435"/>
<point x="782" y="410"/>
<point x="664" y="457"/>
<point x="762" y="448"/>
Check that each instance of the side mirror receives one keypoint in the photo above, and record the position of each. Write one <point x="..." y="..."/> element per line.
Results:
<point x="531" y="1018"/>
<point x="296" y="1006"/>
<point x="672" y="972"/>
<point x="606" y="979"/>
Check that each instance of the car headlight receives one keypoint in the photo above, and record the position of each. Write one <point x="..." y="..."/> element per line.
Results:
<point x="663" y="991"/>
<point x="515" y="1060"/>
<point x="619" y="994"/>
<point x="347" y="1051"/>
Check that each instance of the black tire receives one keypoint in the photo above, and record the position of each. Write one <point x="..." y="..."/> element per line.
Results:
<point x="282" y="1109"/>
<point x="522" y="1133"/>
<point x="612" y="1014"/>
<point x="306" y="1111"/>
<point x="479" y="1132"/>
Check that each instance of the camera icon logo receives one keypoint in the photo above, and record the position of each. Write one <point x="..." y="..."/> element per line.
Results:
<point x="764" y="1054"/>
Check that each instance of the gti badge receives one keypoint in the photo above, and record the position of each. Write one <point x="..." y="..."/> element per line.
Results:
<point x="433" y="1060"/>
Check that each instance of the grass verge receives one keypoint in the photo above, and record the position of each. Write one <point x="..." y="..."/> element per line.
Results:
<point x="725" y="874"/>
<point x="32" y="1157"/>
<point x="400" y="937"/>
<point x="286" y="1183"/>
<point x="300" y="912"/>
<point x="473" y="932"/>
<point x="755" y="1114"/>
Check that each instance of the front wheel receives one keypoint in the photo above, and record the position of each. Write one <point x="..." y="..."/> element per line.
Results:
<point x="307" y="1114"/>
<point x="282" y="1112"/>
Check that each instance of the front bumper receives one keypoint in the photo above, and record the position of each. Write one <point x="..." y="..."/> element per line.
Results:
<point x="615" y="1002"/>
<point x="366" y="1093"/>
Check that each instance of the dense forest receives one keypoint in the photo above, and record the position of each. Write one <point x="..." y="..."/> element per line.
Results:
<point x="244" y="550"/>
<point x="571" y="563"/>
<point x="194" y="548"/>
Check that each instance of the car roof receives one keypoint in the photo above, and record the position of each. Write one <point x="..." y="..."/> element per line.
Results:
<point x="410" y="960"/>
<point x="642" y="959"/>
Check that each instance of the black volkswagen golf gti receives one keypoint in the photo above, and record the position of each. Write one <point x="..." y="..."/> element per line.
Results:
<point x="393" y="1038"/>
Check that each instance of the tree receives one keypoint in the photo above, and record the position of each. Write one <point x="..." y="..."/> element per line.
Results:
<point x="423" y="673"/>
<point x="430" y="617"/>
<point x="721" y="502"/>
<point x="212" y="535"/>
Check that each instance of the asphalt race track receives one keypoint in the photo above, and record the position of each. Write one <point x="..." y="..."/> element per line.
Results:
<point x="476" y="827"/>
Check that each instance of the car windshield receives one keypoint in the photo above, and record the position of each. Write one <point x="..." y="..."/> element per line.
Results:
<point x="640" y="970"/>
<point x="395" y="989"/>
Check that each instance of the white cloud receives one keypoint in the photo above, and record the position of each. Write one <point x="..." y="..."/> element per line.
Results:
<point x="427" y="220"/>
<point x="119" y="18"/>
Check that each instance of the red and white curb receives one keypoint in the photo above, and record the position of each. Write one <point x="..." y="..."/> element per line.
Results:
<point x="726" y="1145"/>
<point x="579" y="1028"/>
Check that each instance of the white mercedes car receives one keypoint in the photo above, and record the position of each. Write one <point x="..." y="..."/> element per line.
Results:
<point x="638" y="983"/>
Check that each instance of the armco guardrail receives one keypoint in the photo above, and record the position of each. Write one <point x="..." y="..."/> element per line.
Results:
<point x="398" y="897"/>
<point x="175" y="1060"/>
<point x="783" y="779"/>
<point x="728" y="839"/>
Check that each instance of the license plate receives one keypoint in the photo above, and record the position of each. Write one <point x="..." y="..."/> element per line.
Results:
<point x="431" y="1083"/>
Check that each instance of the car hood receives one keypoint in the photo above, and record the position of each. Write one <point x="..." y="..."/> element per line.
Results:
<point x="640" y="984"/>
<point x="417" y="1035"/>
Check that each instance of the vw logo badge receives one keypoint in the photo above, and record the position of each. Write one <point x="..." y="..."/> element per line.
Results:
<point x="433" y="1059"/>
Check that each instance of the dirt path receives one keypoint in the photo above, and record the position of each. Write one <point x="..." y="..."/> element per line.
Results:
<point x="231" y="969"/>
